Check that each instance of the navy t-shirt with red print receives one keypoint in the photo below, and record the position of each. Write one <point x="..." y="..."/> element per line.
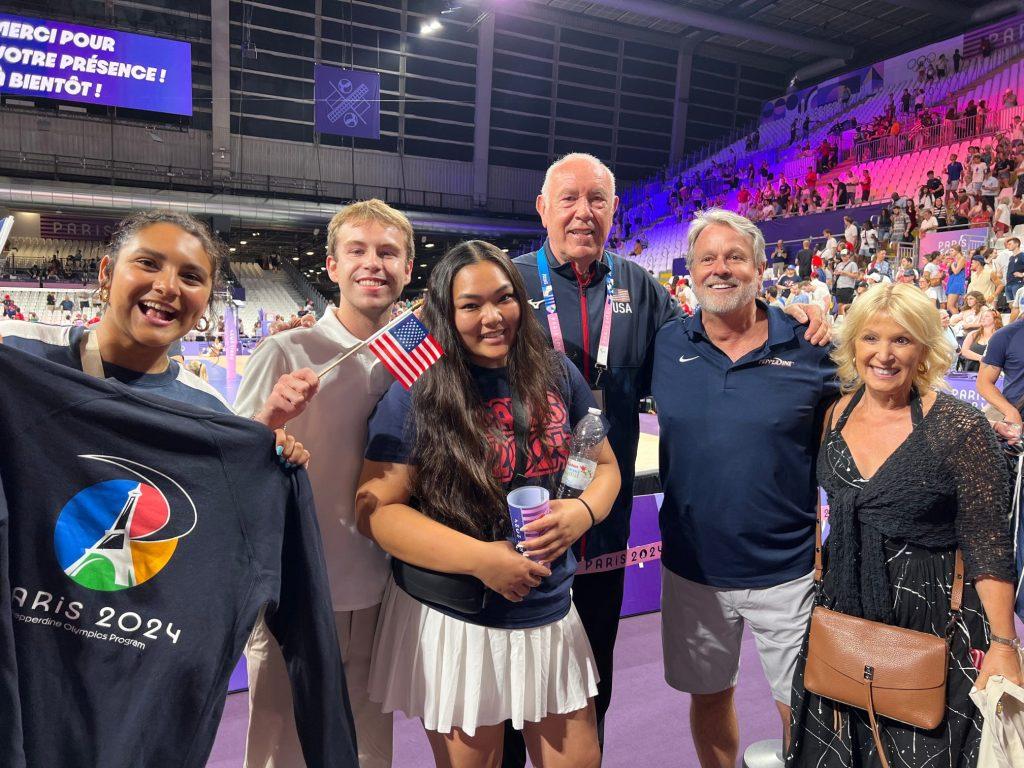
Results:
<point x="392" y="438"/>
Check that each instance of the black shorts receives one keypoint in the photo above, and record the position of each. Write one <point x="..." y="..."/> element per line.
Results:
<point x="844" y="295"/>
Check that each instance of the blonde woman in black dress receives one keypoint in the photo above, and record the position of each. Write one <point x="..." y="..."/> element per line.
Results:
<point x="911" y="474"/>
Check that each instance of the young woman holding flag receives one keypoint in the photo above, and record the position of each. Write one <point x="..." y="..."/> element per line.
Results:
<point x="494" y="413"/>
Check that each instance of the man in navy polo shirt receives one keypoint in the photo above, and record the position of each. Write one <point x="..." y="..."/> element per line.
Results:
<point x="740" y="396"/>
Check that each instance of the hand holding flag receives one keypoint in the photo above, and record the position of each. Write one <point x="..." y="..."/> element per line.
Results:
<point x="404" y="346"/>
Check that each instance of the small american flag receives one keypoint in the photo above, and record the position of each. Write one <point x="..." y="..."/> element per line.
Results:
<point x="620" y="295"/>
<point x="406" y="349"/>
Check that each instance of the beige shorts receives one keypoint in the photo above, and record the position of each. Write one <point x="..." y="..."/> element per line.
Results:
<point x="702" y="632"/>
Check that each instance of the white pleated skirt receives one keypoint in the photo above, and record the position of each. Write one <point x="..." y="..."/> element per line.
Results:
<point x="454" y="674"/>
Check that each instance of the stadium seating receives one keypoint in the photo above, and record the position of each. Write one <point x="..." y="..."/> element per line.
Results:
<point x="264" y="289"/>
<point x="39" y="250"/>
<point x="34" y="300"/>
<point x="646" y="206"/>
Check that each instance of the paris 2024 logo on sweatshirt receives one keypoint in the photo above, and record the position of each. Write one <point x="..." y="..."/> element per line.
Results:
<point x="120" y="533"/>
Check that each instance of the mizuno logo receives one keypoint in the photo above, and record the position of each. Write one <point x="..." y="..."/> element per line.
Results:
<point x="685" y="359"/>
<point x="535" y="304"/>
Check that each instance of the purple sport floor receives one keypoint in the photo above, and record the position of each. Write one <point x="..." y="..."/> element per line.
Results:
<point x="647" y="722"/>
<point x="649" y="424"/>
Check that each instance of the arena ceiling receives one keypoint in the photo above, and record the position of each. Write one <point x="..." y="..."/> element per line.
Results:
<point x="796" y="32"/>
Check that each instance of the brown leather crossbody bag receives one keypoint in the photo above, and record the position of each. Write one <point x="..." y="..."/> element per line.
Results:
<point x="887" y="671"/>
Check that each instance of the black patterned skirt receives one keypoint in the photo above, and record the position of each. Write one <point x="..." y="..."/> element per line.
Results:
<point x="828" y="734"/>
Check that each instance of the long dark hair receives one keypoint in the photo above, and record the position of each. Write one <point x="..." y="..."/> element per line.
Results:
<point x="455" y="480"/>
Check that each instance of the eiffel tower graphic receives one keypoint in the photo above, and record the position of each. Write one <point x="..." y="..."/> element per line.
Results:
<point x="114" y="546"/>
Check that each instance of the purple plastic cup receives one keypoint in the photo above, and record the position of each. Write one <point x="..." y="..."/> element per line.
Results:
<point x="526" y="504"/>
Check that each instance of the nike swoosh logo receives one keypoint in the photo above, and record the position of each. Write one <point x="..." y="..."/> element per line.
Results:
<point x="688" y="359"/>
<point x="535" y="304"/>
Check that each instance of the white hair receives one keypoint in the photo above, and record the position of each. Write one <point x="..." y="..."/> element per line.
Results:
<point x="741" y="224"/>
<point x="568" y="159"/>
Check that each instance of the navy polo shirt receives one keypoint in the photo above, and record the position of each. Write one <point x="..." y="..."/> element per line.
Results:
<point x="1006" y="351"/>
<point x="737" y="451"/>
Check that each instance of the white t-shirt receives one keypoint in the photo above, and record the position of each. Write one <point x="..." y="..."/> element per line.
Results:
<point x="851" y="233"/>
<point x="990" y="186"/>
<point x="978" y="171"/>
<point x="333" y="429"/>
<point x="1001" y="263"/>
<point x="821" y="295"/>
<point x="1003" y="214"/>
<point x="829" y="251"/>
<point x="931" y="270"/>
<point x="846" y="274"/>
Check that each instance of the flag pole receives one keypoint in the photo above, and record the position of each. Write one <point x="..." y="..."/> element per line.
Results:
<point x="334" y="364"/>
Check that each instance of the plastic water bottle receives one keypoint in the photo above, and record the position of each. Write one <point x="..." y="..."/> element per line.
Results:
<point x="582" y="463"/>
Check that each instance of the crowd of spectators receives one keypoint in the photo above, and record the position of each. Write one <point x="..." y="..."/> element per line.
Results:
<point x="974" y="290"/>
<point x="985" y="188"/>
<point x="70" y="267"/>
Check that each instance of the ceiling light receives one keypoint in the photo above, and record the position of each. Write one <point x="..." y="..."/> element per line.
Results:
<point x="423" y="265"/>
<point x="504" y="250"/>
<point x="231" y="250"/>
<point x="295" y="258"/>
<point x="309" y="253"/>
<point x="243" y="242"/>
<point x="430" y="26"/>
<point x="429" y="245"/>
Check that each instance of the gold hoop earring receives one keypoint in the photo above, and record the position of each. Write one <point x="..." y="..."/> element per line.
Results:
<point x="104" y="294"/>
<point x="203" y="325"/>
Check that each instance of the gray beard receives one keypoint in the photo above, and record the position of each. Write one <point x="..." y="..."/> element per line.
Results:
<point x="723" y="305"/>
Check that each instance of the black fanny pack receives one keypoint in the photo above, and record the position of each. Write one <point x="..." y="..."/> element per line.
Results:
<point x="459" y="592"/>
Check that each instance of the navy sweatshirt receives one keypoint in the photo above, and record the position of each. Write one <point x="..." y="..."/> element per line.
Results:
<point x="143" y="537"/>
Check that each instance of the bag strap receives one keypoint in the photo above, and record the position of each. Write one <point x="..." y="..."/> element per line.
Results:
<point x="520" y="427"/>
<point x="869" y="677"/>
<point x="89" y="350"/>
<point x="819" y="570"/>
<point x="521" y="424"/>
<point x="956" y="597"/>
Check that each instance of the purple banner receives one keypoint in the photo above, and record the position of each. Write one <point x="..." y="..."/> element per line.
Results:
<point x="965" y="387"/>
<point x="861" y="82"/>
<point x="347" y="102"/>
<point x="56" y="60"/>
<point x="967" y="239"/>
<point x="60" y="227"/>
<point x="1006" y="32"/>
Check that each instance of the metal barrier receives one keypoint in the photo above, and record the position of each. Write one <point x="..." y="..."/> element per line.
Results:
<point x="943" y="134"/>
